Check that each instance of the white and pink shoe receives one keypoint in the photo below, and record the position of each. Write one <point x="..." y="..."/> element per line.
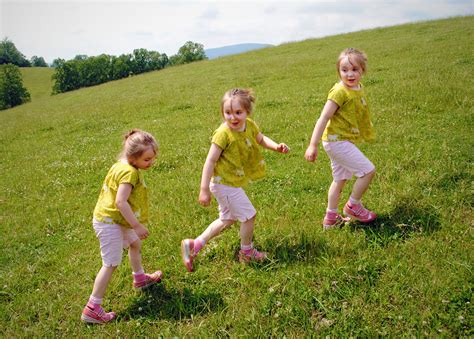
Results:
<point x="359" y="212"/>
<point x="96" y="315"/>
<point x="187" y="253"/>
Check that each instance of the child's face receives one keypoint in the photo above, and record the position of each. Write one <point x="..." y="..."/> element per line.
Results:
<point x="146" y="160"/>
<point x="234" y="114"/>
<point x="350" y="73"/>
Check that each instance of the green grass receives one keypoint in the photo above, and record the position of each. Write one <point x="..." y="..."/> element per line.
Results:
<point x="38" y="82"/>
<point x="408" y="274"/>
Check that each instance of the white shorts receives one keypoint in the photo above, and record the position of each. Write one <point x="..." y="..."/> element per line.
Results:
<point x="113" y="238"/>
<point x="347" y="160"/>
<point x="233" y="203"/>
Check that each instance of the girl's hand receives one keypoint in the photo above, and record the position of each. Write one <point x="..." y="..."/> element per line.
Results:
<point x="205" y="197"/>
<point x="282" y="148"/>
<point x="141" y="231"/>
<point x="311" y="153"/>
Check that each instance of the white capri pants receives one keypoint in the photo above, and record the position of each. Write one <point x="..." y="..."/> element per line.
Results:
<point x="113" y="239"/>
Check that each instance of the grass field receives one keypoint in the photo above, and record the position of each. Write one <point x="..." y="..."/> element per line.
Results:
<point x="408" y="274"/>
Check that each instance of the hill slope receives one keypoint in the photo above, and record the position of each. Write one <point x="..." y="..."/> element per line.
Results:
<point x="38" y="82"/>
<point x="407" y="274"/>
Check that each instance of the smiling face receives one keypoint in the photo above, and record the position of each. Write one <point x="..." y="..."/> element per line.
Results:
<point x="145" y="160"/>
<point x="234" y="114"/>
<point x="350" y="73"/>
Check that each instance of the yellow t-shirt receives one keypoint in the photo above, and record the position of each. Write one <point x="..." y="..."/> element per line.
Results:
<point x="240" y="160"/>
<point x="352" y="119"/>
<point x="106" y="210"/>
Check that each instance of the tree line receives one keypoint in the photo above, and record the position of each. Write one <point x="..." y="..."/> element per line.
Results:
<point x="84" y="71"/>
<point x="9" y="54"/>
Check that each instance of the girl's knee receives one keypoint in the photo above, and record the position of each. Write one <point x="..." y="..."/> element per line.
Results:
<point x="136" y="245"/>
<point x="227" y="223"/>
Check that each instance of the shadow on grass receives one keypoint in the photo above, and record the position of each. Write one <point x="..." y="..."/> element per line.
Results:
<point x="157" y="302"/>
<point x="408" y="218"/>
<point x="304" y="249"/>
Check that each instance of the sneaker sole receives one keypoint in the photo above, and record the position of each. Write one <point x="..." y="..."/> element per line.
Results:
<point x="246" y="260"/>
<point x="149" y="284"/>
<point x="90" y="320"/>
<point x="339" y="223"/>
<point x="353" y="217"/>
<point x="185" y="253"/>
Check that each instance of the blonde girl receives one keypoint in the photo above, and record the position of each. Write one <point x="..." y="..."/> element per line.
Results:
<point x="120" y="216"/>
<point x="345" y="121"/>
<point x="234" y="158"/>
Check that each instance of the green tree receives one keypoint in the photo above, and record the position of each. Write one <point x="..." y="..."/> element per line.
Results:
<point x="191" y="51"/>
<point x="12" y="92"/>
<point x="157" y="61"/>
<point x="80" y="57"/>
<point x="10" y="55"/>
<point x="121" y="67"/>
<point x="94" y="70"/>
<point x="66" y="76"/>
<point x="38" y="61"/>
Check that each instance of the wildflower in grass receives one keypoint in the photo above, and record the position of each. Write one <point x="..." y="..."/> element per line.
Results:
<point x="119" y="220"/>
<point x="233" y="160"/>
<point x="344" y="121"/>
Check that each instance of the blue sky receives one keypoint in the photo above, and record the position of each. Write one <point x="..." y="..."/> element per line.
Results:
<point x="53" y="28"/>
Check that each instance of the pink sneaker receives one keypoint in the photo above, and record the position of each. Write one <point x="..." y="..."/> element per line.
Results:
<point x="359" y="212"/>
<point x="333" y="220"/>
<point x="96" y="315"/>
<point x="187" y="252"/>
<point x="253" y="255"/>
<point x="150" y="280"/>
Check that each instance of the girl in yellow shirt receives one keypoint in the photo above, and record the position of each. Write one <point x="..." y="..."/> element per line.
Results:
<point x="344" y="121"/>
<point x="233" y="160"/>
<point x="120" y="216"/>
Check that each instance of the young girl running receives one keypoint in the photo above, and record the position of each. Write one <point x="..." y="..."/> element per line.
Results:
<point x="344" y="121"/>
<point x="119" y="218"/>
<point x="234" y="159"/>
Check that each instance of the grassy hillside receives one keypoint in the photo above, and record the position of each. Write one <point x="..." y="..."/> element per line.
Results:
<point x="408" y="274"/>
<point x="37" y="80"/>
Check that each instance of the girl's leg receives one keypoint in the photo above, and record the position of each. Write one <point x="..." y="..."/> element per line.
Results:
<point x="191" y="247"/>
<point x="246" y="232"/>
<point x="214" y="229"/>
<point x="353" y="207"/>
<point x="332" y="218"/>
<point x="102" y="281"/>
<point x="141" y="279"/>
<point x="135" y="256"/>
<point x="361" y="185"/>
<point x="247" y="252"/>
<point x="334" y="194"/>
<point x="93" y="312"/>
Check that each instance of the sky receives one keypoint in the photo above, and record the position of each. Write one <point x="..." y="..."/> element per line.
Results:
<point x="63" y="29"/>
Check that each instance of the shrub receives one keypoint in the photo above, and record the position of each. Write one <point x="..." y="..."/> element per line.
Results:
<point x="12" y="92"/>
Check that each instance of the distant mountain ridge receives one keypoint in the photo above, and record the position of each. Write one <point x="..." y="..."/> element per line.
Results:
<point x="213" y="53"/>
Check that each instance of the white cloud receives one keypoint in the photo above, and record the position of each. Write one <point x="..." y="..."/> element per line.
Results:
<point x="66" y="28"/>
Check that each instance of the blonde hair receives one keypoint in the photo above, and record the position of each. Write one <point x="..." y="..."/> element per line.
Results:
<point x="355" y="57"/>
<point x="135" y="142"/>
<point x="245" y="97"/>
